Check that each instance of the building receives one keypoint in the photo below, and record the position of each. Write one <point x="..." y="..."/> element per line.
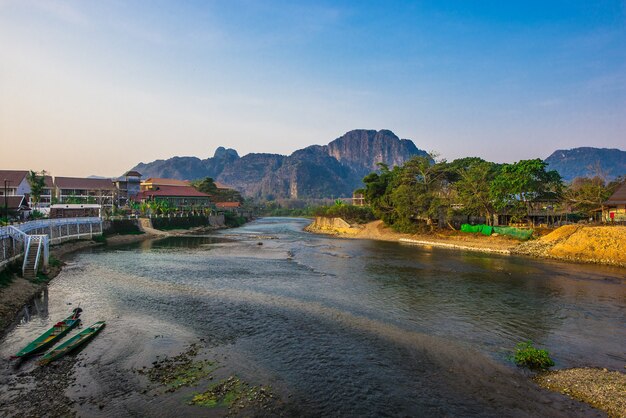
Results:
<point x="15" y="183"/>
<point x="128" y="186"/>
<point x="614" y="209"/>
<point x="358" y="199"/>
<point x="181" y="198"/>
<point x="85" y="190"/>
<point x="14" y="206"/>
<point x="228" y="206"/>
<point x="153" y="183"/>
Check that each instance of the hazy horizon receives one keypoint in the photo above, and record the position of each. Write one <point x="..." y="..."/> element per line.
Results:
<point x="94" y="88"/>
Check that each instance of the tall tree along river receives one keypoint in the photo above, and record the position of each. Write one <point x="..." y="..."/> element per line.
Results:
<point x="336" y="327"/>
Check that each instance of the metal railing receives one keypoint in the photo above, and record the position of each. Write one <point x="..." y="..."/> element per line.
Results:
<point x="15" y="240"/>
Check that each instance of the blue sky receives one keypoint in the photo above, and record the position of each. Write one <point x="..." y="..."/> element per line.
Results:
<point x="92" y="87"/>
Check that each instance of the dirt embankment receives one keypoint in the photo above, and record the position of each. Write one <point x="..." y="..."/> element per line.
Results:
<point x="588" y="244"/>
<point x="377" y="230"/>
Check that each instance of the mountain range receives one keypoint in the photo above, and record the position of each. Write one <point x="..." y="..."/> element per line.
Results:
<point x="336" y="169"/>
<point x="588" y="162"/>
<point x="317" y="171"/>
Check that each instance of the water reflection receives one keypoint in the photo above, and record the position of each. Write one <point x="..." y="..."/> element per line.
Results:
<point x="348" y="327"/>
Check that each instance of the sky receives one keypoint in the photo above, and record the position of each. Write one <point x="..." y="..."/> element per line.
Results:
<point x="95" y="87"/>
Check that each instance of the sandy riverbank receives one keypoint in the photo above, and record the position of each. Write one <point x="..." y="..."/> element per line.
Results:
<point x="446" y="238"/>
<point x="588" y="244"/>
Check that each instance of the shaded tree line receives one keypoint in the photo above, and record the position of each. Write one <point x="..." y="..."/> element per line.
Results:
<point x="415" y="196"/>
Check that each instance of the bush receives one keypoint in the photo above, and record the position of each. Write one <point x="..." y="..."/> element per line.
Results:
<point x="184" y="222"/>
<point x="349" y="213"/>
<point x="526" y="355"/>
<point x="99" y="238"/>
<point x="123" y="227"/>
<point x="232" y="220"/>
<point x="54" y="262"/>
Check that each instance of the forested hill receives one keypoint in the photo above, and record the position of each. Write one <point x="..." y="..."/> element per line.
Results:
<point x="333" y="170"/>
<point x="588" y="162"/>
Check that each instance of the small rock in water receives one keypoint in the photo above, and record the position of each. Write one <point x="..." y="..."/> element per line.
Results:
<point x="259" y="243"/>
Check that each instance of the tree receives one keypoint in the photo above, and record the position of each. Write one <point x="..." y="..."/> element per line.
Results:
<point x="474" y="177"/>
<point x="37" y="183"/>
<point x="587" y="194"/>
<point x="517" y="185"/>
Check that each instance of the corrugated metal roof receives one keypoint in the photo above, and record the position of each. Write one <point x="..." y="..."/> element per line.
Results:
<point x="619" y="197"/>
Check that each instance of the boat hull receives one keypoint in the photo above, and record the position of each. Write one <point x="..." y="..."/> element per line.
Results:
<point x="48" y="338"/>
<point x="73" y="343"/>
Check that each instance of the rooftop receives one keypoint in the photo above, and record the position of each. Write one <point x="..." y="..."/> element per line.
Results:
<point x="83" y="183"/>
<point x="619" y="197"/>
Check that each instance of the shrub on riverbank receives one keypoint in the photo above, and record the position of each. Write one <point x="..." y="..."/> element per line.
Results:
<point x="123" y="227"/>
<point x="349" y="213"/>
<point x="232" y="220"/>
<point x="8" y="274"/>
<point x="185" y="222"/>
<point x="526" y="355"/>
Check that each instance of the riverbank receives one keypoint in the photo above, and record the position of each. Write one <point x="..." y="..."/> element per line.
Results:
<point x="599" y="244"/>
<point x="377" y="230"/>
<point x="20" y="291"/>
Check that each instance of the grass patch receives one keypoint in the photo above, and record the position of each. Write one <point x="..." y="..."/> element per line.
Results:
<point x="526" y="355"/>
<point x="6" y="277"/>
<point x="236" y="395"/>
<point x="100" y="239"/>
<point x="54" y="262"/>
<point x="178" y="371"/>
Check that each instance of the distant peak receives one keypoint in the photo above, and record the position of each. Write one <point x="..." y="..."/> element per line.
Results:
<point x="222" y="152"/>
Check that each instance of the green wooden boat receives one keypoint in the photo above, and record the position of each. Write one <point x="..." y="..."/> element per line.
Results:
<point x="51" y="336"/>
<point x="73" y="343"/>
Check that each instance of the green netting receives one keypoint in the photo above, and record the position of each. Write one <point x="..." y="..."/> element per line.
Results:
<point x="521" y="234"/>
<point x="483" y="229"/>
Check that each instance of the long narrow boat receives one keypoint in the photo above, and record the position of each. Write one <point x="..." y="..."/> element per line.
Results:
<point x="73" y="343"/>
<point x="51" y="336"/>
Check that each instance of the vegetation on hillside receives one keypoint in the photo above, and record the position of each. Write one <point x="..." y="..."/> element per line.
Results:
<point x="207" y="185"/>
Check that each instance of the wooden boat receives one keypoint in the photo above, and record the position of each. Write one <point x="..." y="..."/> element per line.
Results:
<point x="51" y="336"/>
<point x="73" y="343"/>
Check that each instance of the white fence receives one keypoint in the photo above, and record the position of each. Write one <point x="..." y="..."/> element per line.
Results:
<point x="13" y="246"/>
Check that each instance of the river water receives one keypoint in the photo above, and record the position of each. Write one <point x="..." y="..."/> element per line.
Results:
<point x="336" y="327"/>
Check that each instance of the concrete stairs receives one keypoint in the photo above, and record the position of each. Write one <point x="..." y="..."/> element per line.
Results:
<point x="30" y="267"/>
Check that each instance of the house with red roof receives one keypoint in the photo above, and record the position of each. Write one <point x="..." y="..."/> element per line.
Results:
<point x="228" y="206"/>
<point x="182" y="197"/>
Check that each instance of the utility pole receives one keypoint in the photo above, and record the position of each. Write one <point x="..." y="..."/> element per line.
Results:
<point x="6" y="207"/>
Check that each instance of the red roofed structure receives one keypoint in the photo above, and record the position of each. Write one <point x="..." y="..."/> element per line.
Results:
<point x="177" y="196"/>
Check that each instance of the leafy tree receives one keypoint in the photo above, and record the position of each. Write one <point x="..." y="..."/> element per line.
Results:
<point x="207" y="185"/>
<point x="473" y="181"/>
<point x="37" y="183"/>
<point x="517" y="185"/>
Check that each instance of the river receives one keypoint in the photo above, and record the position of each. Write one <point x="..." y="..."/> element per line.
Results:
<point x="337" y="327"/>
